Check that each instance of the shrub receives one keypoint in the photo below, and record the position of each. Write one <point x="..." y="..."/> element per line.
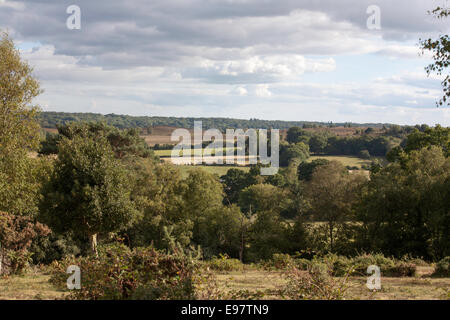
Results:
<point x="443" y="268"/>
<point x="282" y="261"/>
<point x="317" y="283"/>
<point x="340" y="265"/>
<point x="16" y="236"/>
<point x="119" y="273"/>
<point x="225" y="263"/>
<point x="389" y="267"/>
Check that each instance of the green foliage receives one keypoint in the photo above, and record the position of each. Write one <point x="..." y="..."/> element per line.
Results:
<point x="293" y="152"/>
<point x="19" y="131"/>
<point x="437" y="136"/>
<point x="124" y="142"/>
<point x="332" y="192"/>
<point x="404" y="208"/>
<point x="262" y="197"/>
<point x="364" y="154"/>
<point x="443" y="267"/>
<point x="88" y="192"/>
<point x="120" y="273"/>
<point x="234" y="182"/>
<point x="441" y="55"/>
<point x="306" y="169"/>
<point x="225" y="263"/>
<point x="18" y="118"/>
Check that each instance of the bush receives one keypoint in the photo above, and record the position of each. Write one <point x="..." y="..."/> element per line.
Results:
<point x="282" y="261"/>
<point x="315" y="284"/>
<point x="389" y="267"/>
<point x="119" y="273"/>
<point x="225" y="263"/>
<point x="16" y="236"/>
<point x="443" y="268"/>
<point x="340" y="265"/>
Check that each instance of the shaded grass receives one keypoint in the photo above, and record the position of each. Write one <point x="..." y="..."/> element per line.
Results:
<point x="31" y="286"/>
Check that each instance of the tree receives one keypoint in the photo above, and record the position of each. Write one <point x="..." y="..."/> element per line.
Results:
<point x="332" y="194"/>
<point x="437" y="136"/>
<point x="234" y="182"/>
<point x="298" y="152"/>
<point x="123" y="142"/>
<point x="405" y="206"/>
<point x="441" y="55"/>
<point x="18" y="118"/>
<point x="157" y="192"/>
<point x="318" y="143"/>
<point x="88" y="192"/>
<point x="306" y="169"/>
<point x="296" y="135"/>
<point x="19" y="131"/>
<point x="262" y="197"/>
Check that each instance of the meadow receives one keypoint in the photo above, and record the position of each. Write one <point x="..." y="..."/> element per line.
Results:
<point x="254" y="281"/>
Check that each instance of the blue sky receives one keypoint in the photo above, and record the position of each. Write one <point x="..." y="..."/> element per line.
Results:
<point x="286" y="59"/>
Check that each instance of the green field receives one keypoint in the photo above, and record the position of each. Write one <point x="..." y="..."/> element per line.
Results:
<point x="345" y="160"/>
<point x="168" y="153"/>
<point x="219" y="170"/>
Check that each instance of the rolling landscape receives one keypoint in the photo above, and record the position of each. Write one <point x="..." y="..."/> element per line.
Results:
<point x="224" y="151"/>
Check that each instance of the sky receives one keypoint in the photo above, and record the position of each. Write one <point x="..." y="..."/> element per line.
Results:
<point x="305" y="60"/>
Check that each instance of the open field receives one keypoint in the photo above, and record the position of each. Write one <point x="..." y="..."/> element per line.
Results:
<point x="345" y="160"/>
<point x="35" y="286"/>
<point x="168" y="153"/>
<point x="421" y="287"/>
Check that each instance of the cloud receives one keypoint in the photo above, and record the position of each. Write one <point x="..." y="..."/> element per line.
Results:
<point x="236" y="58"/>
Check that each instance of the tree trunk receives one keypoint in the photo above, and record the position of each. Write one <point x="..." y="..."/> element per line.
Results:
<point x="93" y="240"/>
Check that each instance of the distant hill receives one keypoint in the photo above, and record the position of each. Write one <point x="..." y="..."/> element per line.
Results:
<point x="52" y="119"/>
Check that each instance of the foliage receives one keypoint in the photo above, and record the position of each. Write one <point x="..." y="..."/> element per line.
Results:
<point x="306" y="169"/>
<point x="124" y="142"/>
<point x="317" y="283"/>
<point x="18" y="88"/>
<point x="120" y="273"/>
<point x="293" y="152"/>
<point x="332" y="193"/>
<point x="441" y="55"/>
<point x="19" y="131"/>
<point x="88" y="192"/>
<point x="443" y="267"/>
<point x="404" y="208"/>
<point x="225" y="263"/>
<point x="16" y="236"/>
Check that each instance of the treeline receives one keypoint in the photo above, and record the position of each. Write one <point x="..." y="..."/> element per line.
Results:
<point x="52" y="119"/>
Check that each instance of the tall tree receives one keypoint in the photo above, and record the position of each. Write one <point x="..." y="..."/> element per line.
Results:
<point x="19" y="130"/>
<point x="332" y="193"/>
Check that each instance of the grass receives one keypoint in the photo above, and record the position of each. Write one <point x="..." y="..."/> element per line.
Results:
<point x="422" y="287"/>
<point x="35" y="286"/>
<point x="345" y="160"/>
<point x="219" y="170"/>
<point x="31" y="286"/>
<point x="168" y="153"/>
